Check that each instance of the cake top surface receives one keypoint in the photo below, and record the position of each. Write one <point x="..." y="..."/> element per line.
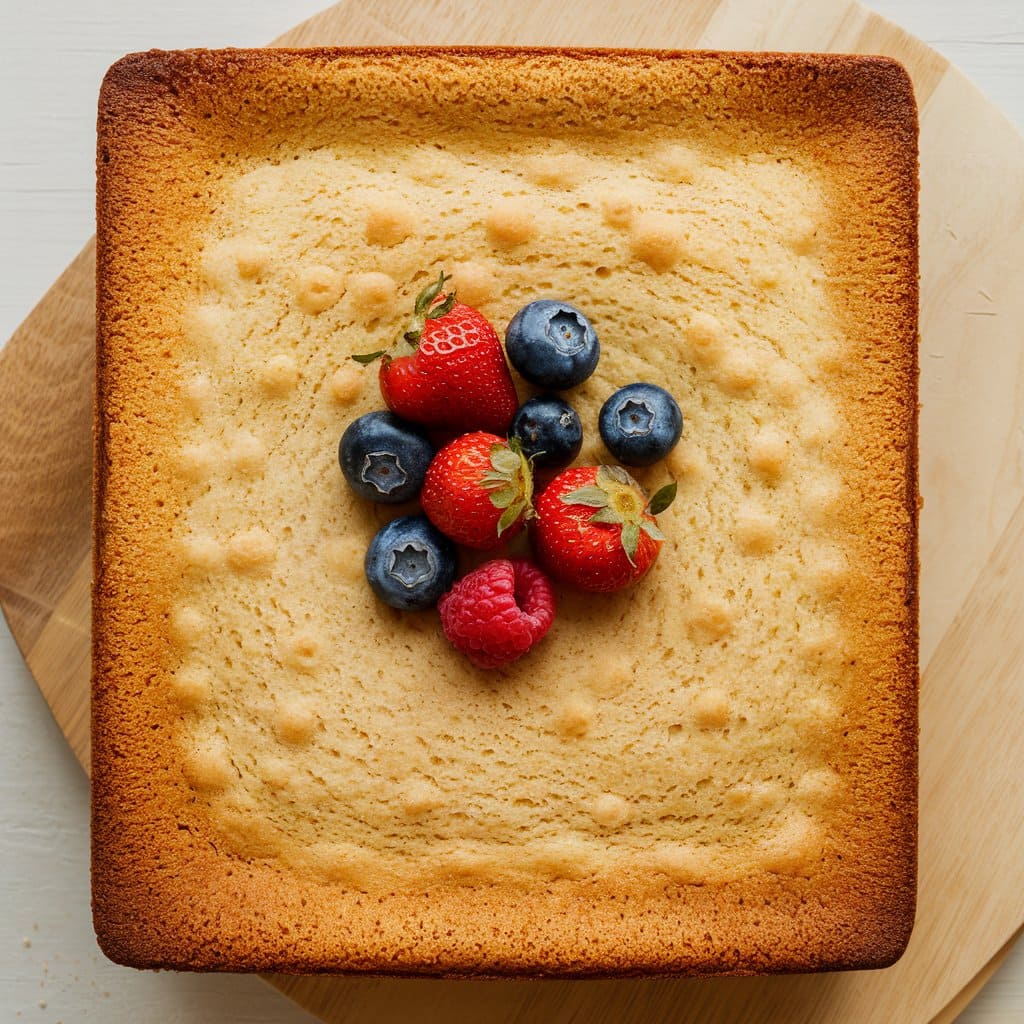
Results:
<point x="739" y="726"/>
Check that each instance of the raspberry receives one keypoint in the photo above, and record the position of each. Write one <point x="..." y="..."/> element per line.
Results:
<point x="498" y="612"/>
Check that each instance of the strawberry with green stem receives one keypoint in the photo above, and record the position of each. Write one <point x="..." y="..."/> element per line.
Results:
<point x="448" y="369"/>
<point x="596" y="529"/>
<point x="479" y="490"/>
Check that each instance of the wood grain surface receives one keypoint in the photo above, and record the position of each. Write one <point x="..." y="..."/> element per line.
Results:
<point x="972" y="875"/>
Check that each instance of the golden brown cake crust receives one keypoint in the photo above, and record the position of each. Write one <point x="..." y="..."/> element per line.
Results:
<point x="165" y="892"/>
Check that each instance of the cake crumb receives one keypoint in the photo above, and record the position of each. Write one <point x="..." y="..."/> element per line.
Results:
<point x="560" y="170"/>
<point x="681" y="863"/>
<point x="710" y="620"/>
<point x="618" y="210"/>
<point x="208" y="766"/>
<point x="827" y="572"/>
<point x="204" y="326"/>
<point x="302" y="651"/>
<point x="575" y="716"/>
<point x="511" y="223"/>
<point x="252" y="550"/>
<point x="318" y="288"/>
<point x="756" y="532"/>
<point x="787" y="383"/>
<point x="677" y="164"/>
<point x="656" y="241"/>
<point x="347" y="384"/>
<point x="295" y="720"/>
<point x="186" y="625"/>
<point x="198" y="393"/>
<point x="251" y="259"/>
<point x="372" y="293"/>
<point x="711" y="708"/>
<point x="345" y="557"/>
<point x="739" y="374"/>
<point x="768" y="453"/>
<point x="247" y="453"/>
<point x="279" y="375"/>
<point x="687" y="463"/>
<point x="420" y="796"/>
<point x="195" y="462"/>
<point x="191" y="686"/>
<point x="561" y="858"/>
<point x="475" y="284"/>
<point x="611" y="811"/>
<point x="706" y="337"/>
<point x="389" y="222"/>
<point x="201" y="552"/>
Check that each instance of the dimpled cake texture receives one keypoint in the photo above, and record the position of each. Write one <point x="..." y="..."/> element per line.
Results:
<point x="711" y="772"/>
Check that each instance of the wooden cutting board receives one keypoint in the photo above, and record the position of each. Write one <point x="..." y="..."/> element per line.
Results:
<point x="971" y="903"/>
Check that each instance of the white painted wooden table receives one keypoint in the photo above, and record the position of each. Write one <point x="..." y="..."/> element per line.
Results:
<point x="52" y="56"/>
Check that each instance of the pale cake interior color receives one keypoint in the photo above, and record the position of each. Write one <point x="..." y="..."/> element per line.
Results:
<point x="684" y="726"/>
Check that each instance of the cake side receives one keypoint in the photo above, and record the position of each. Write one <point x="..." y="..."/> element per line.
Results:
<point x="145" y="190"/>
<point x="874" y="229"/>
<point x="153" y="119"/>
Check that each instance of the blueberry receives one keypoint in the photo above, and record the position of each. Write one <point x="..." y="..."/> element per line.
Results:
<point x="384" y="459"/>
<point x="640" y="424"/>
<point x="410" y="563"/>
<point x="549" y="430"/>
<point x="552" y="344"/>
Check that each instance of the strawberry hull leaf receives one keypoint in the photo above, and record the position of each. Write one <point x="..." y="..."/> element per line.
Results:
<point x="425" y="310"/>
<point x="504" y="460"/>
<point x="368" y="357"/>
<point x="431" y="292"/>
<point x="606" y="515"/>
<point x="608" y="474"/>
<point x="663" y="497"/>
<point x="651" y="530"/>
<point x="630" y="540"/>
<point x="504" y="498"/>
<point x="443" y="308"/>
<point x="591" y="496"/>
<point x="510" y="516"/>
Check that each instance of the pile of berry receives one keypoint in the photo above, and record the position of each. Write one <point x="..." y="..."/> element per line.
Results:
<point x="592" y="527"/>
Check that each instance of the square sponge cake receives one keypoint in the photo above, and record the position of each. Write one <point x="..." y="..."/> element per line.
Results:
<point x="710" y="772"/>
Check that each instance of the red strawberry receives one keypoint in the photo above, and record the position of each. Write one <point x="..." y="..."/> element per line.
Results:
<point x="478" y="490"/>
<point x="498" y="612"/>
<point x="448" y="369"/>
<point x="596" y="529"/>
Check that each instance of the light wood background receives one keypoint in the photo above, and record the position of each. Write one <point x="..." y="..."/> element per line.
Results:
<point x="972" y="245"/>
